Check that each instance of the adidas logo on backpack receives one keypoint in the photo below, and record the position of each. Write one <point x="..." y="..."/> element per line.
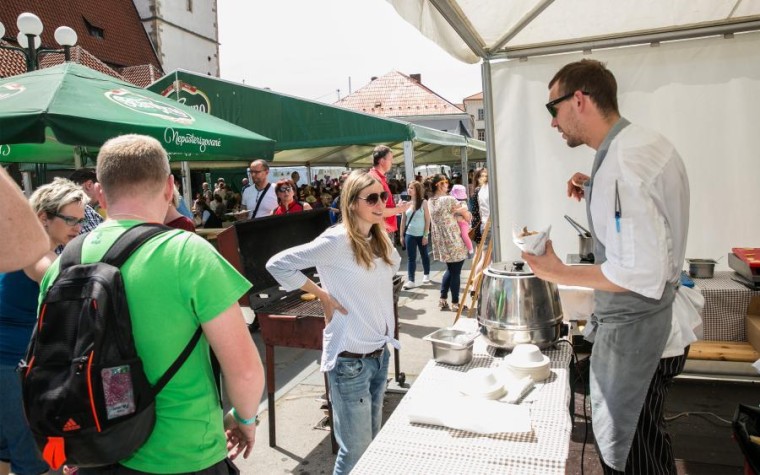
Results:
<point x="86" y="396"/>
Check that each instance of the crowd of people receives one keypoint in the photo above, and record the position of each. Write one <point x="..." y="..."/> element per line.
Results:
<point x="105" y="202"/>
<point x="638" y="337"/>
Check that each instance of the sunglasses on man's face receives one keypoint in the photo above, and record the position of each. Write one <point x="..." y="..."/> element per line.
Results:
<point x="551" y="106"/>
<point x="69" y="220"/>
<point x="373" y="198"/>
<point x="284" y="189"/>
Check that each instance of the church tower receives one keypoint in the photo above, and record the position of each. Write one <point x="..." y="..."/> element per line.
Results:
<point x="184" y="33"/>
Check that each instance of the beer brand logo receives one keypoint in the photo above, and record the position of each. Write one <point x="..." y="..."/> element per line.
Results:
<point x="182" y="139"/>
<point x="10" y="90"/>
<point x="188" y="95"/>
<point x="146" y="105"/>
<point x="5" y="150"/>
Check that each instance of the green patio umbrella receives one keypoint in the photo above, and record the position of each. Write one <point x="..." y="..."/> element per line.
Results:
<point x="84" y="107"/>
<point x="52" y="152"/>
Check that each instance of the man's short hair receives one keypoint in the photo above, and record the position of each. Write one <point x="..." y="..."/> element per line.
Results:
<point x="379" y="153"/>
<point x="592" y="77"/>
<point x="262" y="163"/>
<point x="82" y="175"/>
<point x="132" y="164"/>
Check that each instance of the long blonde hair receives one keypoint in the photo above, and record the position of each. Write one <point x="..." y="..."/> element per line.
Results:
<point x="365" y="250"/>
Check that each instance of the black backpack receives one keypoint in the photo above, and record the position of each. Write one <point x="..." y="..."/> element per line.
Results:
<point x="86" y="396"/>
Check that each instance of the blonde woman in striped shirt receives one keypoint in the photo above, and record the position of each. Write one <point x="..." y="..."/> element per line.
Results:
<point x="356" y="264"/>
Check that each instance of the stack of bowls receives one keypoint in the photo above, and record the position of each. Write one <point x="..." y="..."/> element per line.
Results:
<point x="527" y="360"/>
<point x="482" y="383"/>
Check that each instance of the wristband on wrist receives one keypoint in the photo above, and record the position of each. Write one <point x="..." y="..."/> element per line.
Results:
<point x="245" y="422"/>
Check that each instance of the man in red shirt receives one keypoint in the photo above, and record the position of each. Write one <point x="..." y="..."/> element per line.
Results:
<point x="382" y="160"/>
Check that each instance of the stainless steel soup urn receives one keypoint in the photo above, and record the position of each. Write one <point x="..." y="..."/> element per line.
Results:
<point x="517" y="307"/>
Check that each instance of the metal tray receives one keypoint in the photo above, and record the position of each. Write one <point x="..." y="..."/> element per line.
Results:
<point x="452" y="346"/>
<point x="743" y="269"/>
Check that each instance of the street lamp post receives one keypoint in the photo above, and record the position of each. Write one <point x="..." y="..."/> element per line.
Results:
<point x="30" y="29"/>
<point x="29" y="42"/>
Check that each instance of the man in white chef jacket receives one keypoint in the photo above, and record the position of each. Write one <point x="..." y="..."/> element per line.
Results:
<point x="637" y="201"/>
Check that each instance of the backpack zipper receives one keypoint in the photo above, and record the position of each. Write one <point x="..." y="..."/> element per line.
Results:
<point x="89" y="386"/>
<point x="42" y="317"/>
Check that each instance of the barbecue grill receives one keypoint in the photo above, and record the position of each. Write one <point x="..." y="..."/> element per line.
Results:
<point x="284" y="318"/>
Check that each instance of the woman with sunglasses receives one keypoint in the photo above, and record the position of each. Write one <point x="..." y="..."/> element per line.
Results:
<point x="356" y="263"/>
<point x="60" y="208"/>
<point x="448" y="246"/>
<point x="286" y="202"/>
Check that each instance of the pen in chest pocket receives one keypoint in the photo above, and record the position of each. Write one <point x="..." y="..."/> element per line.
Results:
<point x="618" y="209"/>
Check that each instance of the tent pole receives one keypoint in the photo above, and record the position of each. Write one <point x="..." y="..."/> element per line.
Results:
<point x="493" y="192"/>
<point x="26" y="180"/>
<point x="187" y="193"/>
<point x="308" y="174"/>
<point x="409" y="161"/>
<point x="77" y="157"/>
<point x="463" y="154"/>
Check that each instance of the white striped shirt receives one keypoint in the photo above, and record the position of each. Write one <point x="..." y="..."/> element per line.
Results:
<point x="367" y="294"/>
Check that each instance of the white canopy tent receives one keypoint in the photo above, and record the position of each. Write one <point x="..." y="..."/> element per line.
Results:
<point x="702" y="94"/>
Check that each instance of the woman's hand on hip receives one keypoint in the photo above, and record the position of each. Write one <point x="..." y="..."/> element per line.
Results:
<point x="330" y="306"/>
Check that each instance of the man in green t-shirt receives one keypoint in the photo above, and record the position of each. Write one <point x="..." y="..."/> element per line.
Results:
<point x="174" y="283"/>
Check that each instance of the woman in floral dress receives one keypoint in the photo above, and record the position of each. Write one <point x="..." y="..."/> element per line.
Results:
<point x="448" y="246"/>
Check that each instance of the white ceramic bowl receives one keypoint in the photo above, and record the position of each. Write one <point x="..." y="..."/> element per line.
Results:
<point x="527" y="360"/>
<point x="526" y="355"/>
<point x="537" y="373"/>
<point x="482" y="383"/>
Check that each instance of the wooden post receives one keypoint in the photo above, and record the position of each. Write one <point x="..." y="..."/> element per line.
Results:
<point x="476" y="271"/>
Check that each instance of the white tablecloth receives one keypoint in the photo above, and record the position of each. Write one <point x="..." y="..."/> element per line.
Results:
<point x="402" y="447"/>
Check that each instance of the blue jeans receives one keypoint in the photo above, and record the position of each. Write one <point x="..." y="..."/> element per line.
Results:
<point x="16" y="441"/>
<point x="451" y="281"/>
<point x="412" y="243"/>
<point x="357" y="386"/>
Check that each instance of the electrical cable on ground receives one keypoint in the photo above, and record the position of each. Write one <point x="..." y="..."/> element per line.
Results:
<point x="696" y="413"/>
<point x="579" y="377"/>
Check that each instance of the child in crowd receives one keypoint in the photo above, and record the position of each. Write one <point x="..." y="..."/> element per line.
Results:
<point x="459" y="192"/>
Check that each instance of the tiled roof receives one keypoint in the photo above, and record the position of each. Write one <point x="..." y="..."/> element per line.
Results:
<point x="11" y="63"/>
<point x="142" y="75"/>
<point x="83" y="57"/>
<point x="474" y="97"/>
<point x="124" y="41"/>
<point x="396" y="94"/>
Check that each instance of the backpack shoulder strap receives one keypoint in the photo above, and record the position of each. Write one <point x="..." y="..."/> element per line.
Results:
<point x="129" y="241"/>
<point x="169" y="374"/>
<point x="72" y="253"/>
<point x="118" y="254"/>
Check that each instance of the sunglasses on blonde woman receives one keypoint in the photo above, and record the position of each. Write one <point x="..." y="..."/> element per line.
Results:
<point x="373" y="198"/>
